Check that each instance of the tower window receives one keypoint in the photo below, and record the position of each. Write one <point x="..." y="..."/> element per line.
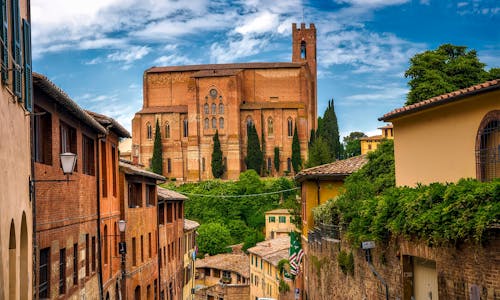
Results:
<point x="167" y="130"/>
<point x="206" y="123"/>
<point x="270" y="129"/>
<point x="214" y="123"/>
<point x="221" y="108"/>
<point x="149" y="131"/>
<point x="290" y="127"/>
<point x="249" y="121"/>
<point x="221" y="123"/>
<point x="205" y="108"/>
<point x="185" y="127"/>
<point x="303" y="50"/>
<point x="214" y="108"/>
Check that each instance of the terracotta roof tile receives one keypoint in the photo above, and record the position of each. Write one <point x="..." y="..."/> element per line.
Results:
<point x="253" y="65"/>
<point x="442" y="99"/>
<point x="164" y="194"/>
<point x="216" y="73"/>
<point x="112" y="123"/>
<point x="129" y="168"/>
<point x="164" y="109"/>
<point x="278" y="211"/>
<point x="231" y="262"/>
<point x="336" y="169"/>
<point x="272" y="250"/>
<point x="374" y="137"/>
<point x="190" y="225"/>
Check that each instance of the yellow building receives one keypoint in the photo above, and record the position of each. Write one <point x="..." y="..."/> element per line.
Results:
<point x="189" y="264"/>
<point x="448" y="137"/>
<point x="264" y="274"/>
<point x="278" y="223"/>
<point x="370" y="143"/>
<point x="321" y="183"/>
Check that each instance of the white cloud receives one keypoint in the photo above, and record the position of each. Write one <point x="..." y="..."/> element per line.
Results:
<point x="173" y="60"/>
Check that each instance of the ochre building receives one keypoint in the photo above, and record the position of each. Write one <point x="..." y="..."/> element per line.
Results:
<point x="191" y="103"/>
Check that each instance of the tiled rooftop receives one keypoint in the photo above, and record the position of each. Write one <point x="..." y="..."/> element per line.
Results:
<point x="442" y="99"/>
<point x="110" y="123"/>
<point x="164" y="194"/>
<point x="131" y="169"/>
<point x="190" y="224"/>
<point x="272" y="250"/>
<point x="230" y="262"/>
<point x="278" y="211"/>
<point x="336" y="169"/>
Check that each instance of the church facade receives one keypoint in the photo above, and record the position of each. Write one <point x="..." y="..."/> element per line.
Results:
<point x="191" y="103"/>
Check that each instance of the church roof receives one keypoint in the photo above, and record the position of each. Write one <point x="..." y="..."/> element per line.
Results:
<point x="252" y="65"/>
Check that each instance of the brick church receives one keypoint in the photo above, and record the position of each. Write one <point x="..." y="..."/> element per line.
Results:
<point x="192" y="102"/>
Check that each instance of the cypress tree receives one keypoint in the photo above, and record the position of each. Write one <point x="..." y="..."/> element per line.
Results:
<point x="328" y="129"/>
<point x="277" y="159"/>
<point x="312" y="138"/>
<point x="254" y="153"/>
<point x="296" y="159"/>
<point x="157" y="160"/>
<point x="217" y="166"/>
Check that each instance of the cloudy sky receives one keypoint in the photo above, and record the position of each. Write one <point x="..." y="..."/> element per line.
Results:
<point x="97" y="50"/>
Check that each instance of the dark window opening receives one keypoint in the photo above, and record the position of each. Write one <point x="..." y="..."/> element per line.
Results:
<point x="185" y="128"/>
<point x="68" y="140"/>
<point x="42" y="136"/>
<point x="88" y="156"/>
<point x="44" y="273"/>
<point x="87" y="255"/>
<point x="75" y="264"/>
<point x="113" y="166"/>
<point x="134" y="194"/>
<point x="290" y="127"/>
<point x="161" y="213"/>
<point x="303" y="53"/>
<point x="62" y="271"/>
<point x="488" y="148"/>
<point x="170" y="212"/>
<point x="149" y="131"/>
<point x="167" y="130"/>
<point x="150" y="195"/>
<point x="134" y="254"/>
<point x="169" y="165"/>
<point x="93" y="254"/>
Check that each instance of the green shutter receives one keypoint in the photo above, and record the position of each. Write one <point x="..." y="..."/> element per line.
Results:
<point x="16" y="50"/>
<point x="28" y="100"/>
<point x="5" y="43"/>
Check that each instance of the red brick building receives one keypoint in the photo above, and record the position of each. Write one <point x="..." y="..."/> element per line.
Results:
<point x="138" y="195"/>
<point x="191" y="103"/>
<point x="66" y="212"/>
<point x="171" y="243"/>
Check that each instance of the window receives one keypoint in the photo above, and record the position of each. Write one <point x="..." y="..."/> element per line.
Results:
<point x="88" y="156"/>
<point x="93" y="253"/>
<point x="289" y="164"/>
<point x="113" y="168"/>
<point x="62" y="271"/>
<point x="75" y="264"/>
<point x="167" y="130"/>
<point x="179" y="212"/>
<point x="87" y="255"/>
<point x="149" y="244"/>
<point x="161" y="213"/>
<point x="290" y="127"/>
<point x="303" y="54"/>
<point x="16" y="48"/>
<point x="68" y="139"/>
<point x="134" y="194"/>
<point x="149" y="131"/>
<point x="134" y="254"/>
<point x="221" y="108"/>
<point x="216" y="273"/>
<point x="203" y="164"/>
<point x="142" y="248"/>
<point x="282" y="219"/>
<point x="104" y="168"/>
<point x="185" y="127"/>
<point x="169" y="165"/>
<point x="206" y="109"/>
<point x="5" y="43"/>
<point x="148" y="292"/>
<point x="214" y="123"/>
<point x="488" y="147"/>
<point x="150" y="195"/>
<point x="44" y="273"/>
<point x="270" y="128"/>
<point x="214" y="108"/>
<point x="155" y="287"/>
<point x="261" y="263"/>
<point x="115" y="243"/>
<point x="170" y="212"/>
<point x="269" y="164"/>
<point x="206" y="123"/>
<point x="105" y="244"/>
<point x="42" y="136"/>
<point x="221" y="123"/>
<point x="272" y="219"/>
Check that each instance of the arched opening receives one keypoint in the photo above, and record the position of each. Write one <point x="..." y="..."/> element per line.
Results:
<point x="221" y="123"/>
<point x="185" y="127"/>
<point x="303" y="54"/>
<point x="206" y="123"/>
<point x="221" y="108"/>
<point x="167" y="130"/>
<point x="214" y="108"/>
<point x="117" y="292"/>
<point x="290" y="127"/>
<point x="488" y="147"/>
<point x="12" y="262"/>
<point x="205" y="108"/>
<point x="270" y="128"/>
<point x="149" y="131"/>
<point x="107" y="295"/>
<point x="23" y="259"/>
<point x="214" y="123"/>
<point x="137" y="293"/>
<point x="105" y="244"/>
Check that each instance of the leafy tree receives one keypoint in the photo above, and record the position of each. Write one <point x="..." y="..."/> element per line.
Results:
<point x="443" y="70"/>
<point x="328" y="129"/>
<point x="277" y="159"/>
<point x="319" y="153"/>
<point x="353" y="144"/>
<point x="296" y="158"/>
<point x="217" y="165"/>
<point x="254" y="157"/>
<point x="252" y="239"/>
<point x="494" y="73"/>
<point x="157" y="160"/>
<point x="213" y="238"/>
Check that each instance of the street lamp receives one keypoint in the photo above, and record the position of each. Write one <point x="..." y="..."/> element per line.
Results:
<point x="122" y="224"/>
<point x="122" y="249"/>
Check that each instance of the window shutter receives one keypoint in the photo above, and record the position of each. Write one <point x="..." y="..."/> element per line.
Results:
<point x="16" y="50"/>
<point x="5" y="43"/>
<point x="28" y="101"/>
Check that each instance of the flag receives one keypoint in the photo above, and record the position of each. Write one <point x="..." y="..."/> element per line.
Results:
<point x="295" y="253"/>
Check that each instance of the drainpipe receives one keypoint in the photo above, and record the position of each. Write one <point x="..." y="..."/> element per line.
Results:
<point x="98" y="198"/>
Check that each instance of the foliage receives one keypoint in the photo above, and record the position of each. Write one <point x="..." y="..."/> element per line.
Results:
<point x="254" y="157"/>
<point x="328" y="129"/>
<point x="328" y="213"/>
<point x="277" y="159"/>
<point x="213" y="238"/>
<point x="318" y="263"/>
<point x="353" y="144"/>
<point x="312" y="137"/>
<point x="494" y="73"/>
<point x="283" y="286"/>
<point x="296" y="158"/>
<point x="217" y="165"/>
<point x="252" y="239"/>
<point x="346" y="262"/>
<point x="157" y="160"/>
<point x="283" y="266"/>
<point x="445" y="69"/>
<point x="318" y="153"/>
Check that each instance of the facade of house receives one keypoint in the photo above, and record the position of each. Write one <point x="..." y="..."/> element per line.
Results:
<point x="66" y="212"/>
<point x="278" y="223"/>
<point x="190" y="227"/>
<point x="171" y="243"/>
<point x="371" y="143"/>
<point x="16" y="204"/>
<point x="223" y="276"/>
<point x="138" y="193"/>
<point x="191" y="103"/>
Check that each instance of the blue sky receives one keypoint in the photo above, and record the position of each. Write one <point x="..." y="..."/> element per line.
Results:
<point x="97" y="50"/>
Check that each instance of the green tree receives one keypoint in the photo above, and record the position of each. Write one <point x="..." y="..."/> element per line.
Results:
<point x="213" y="238"/>
<point x="157" y="160"/>
<point x="353" y="144"/>
<point x="494" y="73"/>
<point x="319" y="153"/>
<point x="254" y="157"/>
<point x="311" y="138"/>
<point x="252" y="239"/>
<point x="277" y="159"/>
<point x="296" y="158"/>
<point x="443" y="70"/>
<point x="217" y="165"/>
<point x="328" y="129"/>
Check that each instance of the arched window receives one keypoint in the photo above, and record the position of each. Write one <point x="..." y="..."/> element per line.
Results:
<point x="290" y="127"/>
<point x="289" y="164"/>
<point x="488" y="147"/>
<point x="303" y="50"/>
<point x="269" y="164"/>
<point x="105" y="245"/>
<point x="249" y="121"/>
<point x="149" y="131"/>
<point x="205" y="108"/>
<point x="221" y="108"/>
<point x="214" y="123"/>
<point x="185" y="127"/>
<point x="221" y="123"/>
<point x="206" y="123"/>
<point x="214" y="108"/>
<point x="270" y="129"/>
<point x="167" y="130"/>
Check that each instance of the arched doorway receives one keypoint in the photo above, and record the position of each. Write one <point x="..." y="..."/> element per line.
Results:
<point x="137" y="293"/>
<point x="12" y="262"/>
<point x="488" y="147"/>
<point x="23" y="260"/>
